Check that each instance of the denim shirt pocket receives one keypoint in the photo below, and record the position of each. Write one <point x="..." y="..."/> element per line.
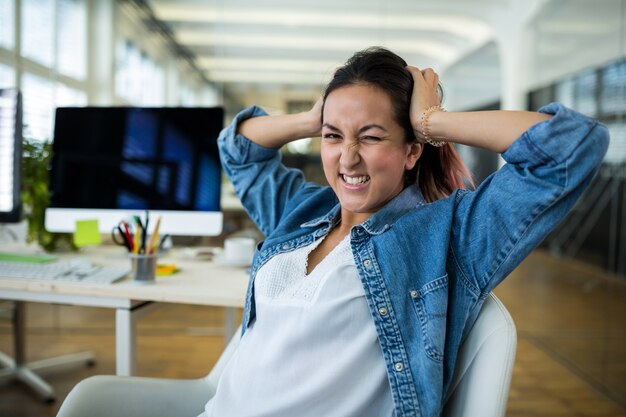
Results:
<point x="431" y="306"/>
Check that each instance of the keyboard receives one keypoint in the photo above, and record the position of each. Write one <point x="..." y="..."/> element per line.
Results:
<point x="62" y="271"/>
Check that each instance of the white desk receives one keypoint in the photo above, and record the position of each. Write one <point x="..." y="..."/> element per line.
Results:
<point x="197" y="282"/>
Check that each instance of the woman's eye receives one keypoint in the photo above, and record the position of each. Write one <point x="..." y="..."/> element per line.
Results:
<point x="332" y="136"/>
<point x="371" y="138"/>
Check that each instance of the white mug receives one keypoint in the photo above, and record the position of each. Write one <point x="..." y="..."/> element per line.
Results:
<point x="239" y="250"/>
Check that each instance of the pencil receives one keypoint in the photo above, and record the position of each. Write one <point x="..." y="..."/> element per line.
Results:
<point x="155" y="236"/>
<point x="137" y="236"/>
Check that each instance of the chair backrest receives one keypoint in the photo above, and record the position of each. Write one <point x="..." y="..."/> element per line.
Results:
<point x="480" y="386"/>
<point x="213" y="376"/>
<point x="482" y="377"/>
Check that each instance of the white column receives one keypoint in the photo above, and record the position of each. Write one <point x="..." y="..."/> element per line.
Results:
<point x="101" y="52"/>
<point x="514" y="64"/>
<point x="513" y="31"/>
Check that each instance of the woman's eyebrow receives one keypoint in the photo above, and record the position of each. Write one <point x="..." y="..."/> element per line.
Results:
<point x="331" y="127"/>
<point x="372" y="126"/>
<point x="361" y="130"/>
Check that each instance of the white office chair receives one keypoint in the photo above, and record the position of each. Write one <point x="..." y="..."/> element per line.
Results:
<point x="480" y="385"/>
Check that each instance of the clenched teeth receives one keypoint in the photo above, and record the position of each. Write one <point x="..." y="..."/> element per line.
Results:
<point x="356" y="180"/>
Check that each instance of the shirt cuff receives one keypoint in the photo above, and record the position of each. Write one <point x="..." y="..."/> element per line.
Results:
<point x="551" y="141"/>
<point x="239" y="148"/>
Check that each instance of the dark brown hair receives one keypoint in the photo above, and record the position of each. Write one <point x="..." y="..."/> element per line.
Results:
<point x="439" y="171"/>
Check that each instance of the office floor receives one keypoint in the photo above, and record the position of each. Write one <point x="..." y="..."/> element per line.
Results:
<point x="571" y="360"/>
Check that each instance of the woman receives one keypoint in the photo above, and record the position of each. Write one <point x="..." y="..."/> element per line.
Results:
<point x="362" y="292"/>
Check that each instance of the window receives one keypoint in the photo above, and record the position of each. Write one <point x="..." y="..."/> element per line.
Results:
<point x="153" y="78"/>
<point x="7" y="24"/>
<point x="38" y="31"/>
<point x="138" y="78"/>
<point x="7" y="76"/>
<point x="69" y="97"/>
<point x="54" y="36"/>
<point x="72" y="40"/>
<point x="187" y="95"/>
<point x="599" y="93"/>
<point x="614" y="88"/>
<point x="616" y="153"/>
<point x="585" y="90"/>
<point x="565" y="92"/>
<point x="38" y="107"/>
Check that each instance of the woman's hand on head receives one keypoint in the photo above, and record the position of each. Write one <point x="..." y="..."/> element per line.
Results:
<point x="315" y="115"/>
<point x="425" y="95"/>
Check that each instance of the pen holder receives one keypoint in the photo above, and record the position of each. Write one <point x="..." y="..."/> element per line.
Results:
<point x="143" y="268"/>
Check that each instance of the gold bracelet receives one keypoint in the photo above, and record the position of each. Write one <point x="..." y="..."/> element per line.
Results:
<point x="426" y="129"/>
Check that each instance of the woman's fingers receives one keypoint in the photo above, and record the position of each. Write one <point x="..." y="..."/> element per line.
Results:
<point x="415" y="72"/>
<point x="424" y="95"/>
<point x="431" y="77"/>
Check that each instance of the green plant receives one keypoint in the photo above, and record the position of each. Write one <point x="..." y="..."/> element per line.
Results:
<point x="35" y="194"/>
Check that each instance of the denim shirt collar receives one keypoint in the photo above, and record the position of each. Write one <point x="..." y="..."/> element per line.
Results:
<point x="331" y="218"/>
<point x="408" y="199"/>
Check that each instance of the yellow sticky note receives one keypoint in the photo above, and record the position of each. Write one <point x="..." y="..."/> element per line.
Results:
<point x="87" y="233"/>
<point x="166" y="269"/>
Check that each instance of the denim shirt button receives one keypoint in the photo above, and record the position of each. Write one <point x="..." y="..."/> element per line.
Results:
<point x="367" y="263"/>
<point x="398" y="366"/>
<point x="414" y="294"/>
<point x="285" y="246"/>
<point x="383" y="311"/>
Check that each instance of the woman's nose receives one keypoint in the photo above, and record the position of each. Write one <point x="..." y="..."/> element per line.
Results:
<point x="350" y="156"/>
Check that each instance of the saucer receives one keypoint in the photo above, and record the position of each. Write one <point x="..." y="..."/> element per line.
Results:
<point x="201" y="253"/>
<point x="223" y="261"/>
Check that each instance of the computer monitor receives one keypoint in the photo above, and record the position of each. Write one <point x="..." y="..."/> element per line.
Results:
<point x="109" y="163"/>
<point x="10" y="154"/>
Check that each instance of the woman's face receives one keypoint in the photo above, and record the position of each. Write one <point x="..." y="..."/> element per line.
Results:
<point x="364" y="152"/>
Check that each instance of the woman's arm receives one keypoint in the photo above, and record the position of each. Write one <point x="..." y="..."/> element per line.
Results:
<point x="551" y="157"/>
<point x="264" y="185"/>
<point x="492" y="130"/>
<point x="276" y="131"/>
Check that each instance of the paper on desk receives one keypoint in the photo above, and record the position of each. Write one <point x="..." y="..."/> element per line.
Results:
<point x="23" y="257"/>
<point x="87" y="233"/>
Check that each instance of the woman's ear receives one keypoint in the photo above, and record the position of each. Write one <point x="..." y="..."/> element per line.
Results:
<point x="415" y="151"/>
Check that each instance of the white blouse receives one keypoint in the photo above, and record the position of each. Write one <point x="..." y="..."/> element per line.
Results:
<point x="312" y="349"/>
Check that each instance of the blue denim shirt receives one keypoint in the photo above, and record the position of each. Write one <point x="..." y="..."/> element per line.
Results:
<point x="426" y="267"/>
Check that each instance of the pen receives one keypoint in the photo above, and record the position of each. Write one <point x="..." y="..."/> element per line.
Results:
<point x="144" y="236"/>
<point x="128" y="237"/>
<point x="125" y="239"/>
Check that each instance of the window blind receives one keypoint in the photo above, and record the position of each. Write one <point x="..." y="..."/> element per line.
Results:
<point x="72" y="39"/>
<point x="38" y="107"/>
<point x="7" y="76"/>
<point x="37" y="31"/>
<point x="7" y="24"/>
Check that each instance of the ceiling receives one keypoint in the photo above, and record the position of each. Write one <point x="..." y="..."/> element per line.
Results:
<point x="295" y="45"/>
<point x="298" y="43"/>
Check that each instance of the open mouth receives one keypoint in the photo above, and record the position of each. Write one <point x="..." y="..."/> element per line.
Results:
<point x="357" y="180"/>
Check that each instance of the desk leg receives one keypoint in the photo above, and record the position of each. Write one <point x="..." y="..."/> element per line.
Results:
<point x="20" y="367"/>
<point x="125" y="343"/>
<point x="25" y="372"/>
<point x="125" y="337"/>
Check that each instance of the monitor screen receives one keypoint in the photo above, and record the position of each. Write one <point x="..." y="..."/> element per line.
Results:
<point x="10" y="154"/>
<point x="110" y="162"/>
